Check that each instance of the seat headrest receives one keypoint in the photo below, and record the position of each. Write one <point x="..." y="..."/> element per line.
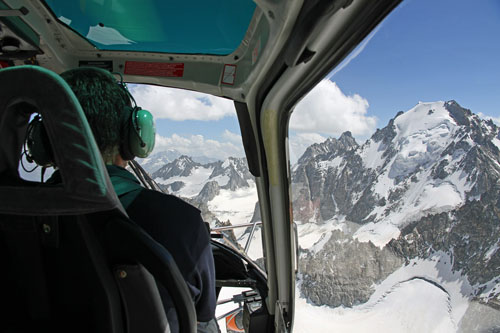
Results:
<point x="85" y="187"/>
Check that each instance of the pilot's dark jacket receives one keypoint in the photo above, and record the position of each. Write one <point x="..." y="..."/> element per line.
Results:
<point x="177" y="226"/>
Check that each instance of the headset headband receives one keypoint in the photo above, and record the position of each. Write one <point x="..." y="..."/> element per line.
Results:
<point x="137" y="131"/>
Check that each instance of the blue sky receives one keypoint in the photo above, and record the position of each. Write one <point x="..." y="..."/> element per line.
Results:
<point x="430" y="50"/>
<point x="184" y="128"/>
<point x="426" y="50"/>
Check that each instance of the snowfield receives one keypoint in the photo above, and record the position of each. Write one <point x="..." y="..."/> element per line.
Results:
<point x="423" y="296"/>
<point x="313" y="236"/>
<point x="422" y="135"/>
<point x="193" y="183"/>
<point x="255" y="251"/>
<point x="237" y="206"/>
<point x="413" y="306"/>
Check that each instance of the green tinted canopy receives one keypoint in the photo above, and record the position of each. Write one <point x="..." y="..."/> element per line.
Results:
<point x="214" y="27"/>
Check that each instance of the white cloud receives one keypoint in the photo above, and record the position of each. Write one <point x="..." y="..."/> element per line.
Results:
<point x="197" y="145"/>
<point x="233" y="137"/>
<point x="179" y="104"/>
<point x="496" y="120"/>
<point x="300" y="141"/>
<point x="326" y="109"/>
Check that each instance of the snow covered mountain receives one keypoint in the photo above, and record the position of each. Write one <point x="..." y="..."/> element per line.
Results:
<point x="430" y="159"/>
<point x="186" y="178"/>
<point x="224" y="191"/>
<point x="157" y="160"/>
<point x="419" y="199"/>
<point x="409" y="217"/>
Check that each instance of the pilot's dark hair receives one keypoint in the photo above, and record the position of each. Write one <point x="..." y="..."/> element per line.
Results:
<point x="102" y="100"/>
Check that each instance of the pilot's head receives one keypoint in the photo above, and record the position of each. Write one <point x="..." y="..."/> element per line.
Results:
<point x="121" y="131"/>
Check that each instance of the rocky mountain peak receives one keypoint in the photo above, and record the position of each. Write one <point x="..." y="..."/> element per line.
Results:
<point x="157" y="160"/>
<point x="458" y="113"/>
<point x="209" y="191"/>
<point x="184" y="159"/>
<point x="347" y="141"/>
<point x="235" y="170"/>
<point x="386" y="134"/>
<point x="187" y="178"/>
<point x="330" y="148"/>
<point x="181" y="166"/>
<point x="419" y="151"/>
<point x="427" y="184"/>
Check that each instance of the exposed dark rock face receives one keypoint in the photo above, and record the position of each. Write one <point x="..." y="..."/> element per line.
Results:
<point x="380" y="180"/>
<point x="386" y="134"/>
<point x="470" y="234"/>
<point x="181" y="167"/>
<point x="234" y="168"/>
<point x="230" y="174"/>
<point x="175" y="186"/>
<point x="229" y="236"/>
<point x="458" y="113"/>
<point x="326" y="178"/>
<point x="330" y="148"/>
<point x="234" y="171"/>
<point x="332" y="178"/>
<point x="344" y="270"/>
<point x="208" y="192"/>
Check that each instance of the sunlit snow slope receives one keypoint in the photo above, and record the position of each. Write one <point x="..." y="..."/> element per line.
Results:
<point x="401" y="234"/>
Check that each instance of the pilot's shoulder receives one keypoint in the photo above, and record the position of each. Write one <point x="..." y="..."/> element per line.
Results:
<point x="167" y="203"/>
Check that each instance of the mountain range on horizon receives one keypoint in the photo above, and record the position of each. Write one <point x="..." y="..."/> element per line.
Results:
<point x="418" y="200"/>
<point x="159" y="159"/>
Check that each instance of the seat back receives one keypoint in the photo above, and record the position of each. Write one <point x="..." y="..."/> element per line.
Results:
<point x="59" y="271"/>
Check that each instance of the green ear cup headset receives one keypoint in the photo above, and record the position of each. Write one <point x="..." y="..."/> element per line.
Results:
<point x="137" y="133"/>
<point x="137" y="128"/>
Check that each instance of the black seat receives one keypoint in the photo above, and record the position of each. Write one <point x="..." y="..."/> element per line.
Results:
<point x="71" y="260"/>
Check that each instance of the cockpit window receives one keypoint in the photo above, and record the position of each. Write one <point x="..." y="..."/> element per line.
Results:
<point x="199" y="157"/>
<point x="216" y="27"/>
<point x="394" y="156"/>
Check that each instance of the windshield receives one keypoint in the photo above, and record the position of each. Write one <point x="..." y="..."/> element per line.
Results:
<point x="216" y="27"/>
<point x="199" y="157"/>
<point x="395" y="173"/>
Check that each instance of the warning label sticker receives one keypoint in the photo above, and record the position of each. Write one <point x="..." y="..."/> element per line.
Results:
<point x="229" y="74"/>
<point x="154" y="68"/>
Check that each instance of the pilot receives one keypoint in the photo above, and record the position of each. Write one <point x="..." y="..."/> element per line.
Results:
<point x="175" y="224"/>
